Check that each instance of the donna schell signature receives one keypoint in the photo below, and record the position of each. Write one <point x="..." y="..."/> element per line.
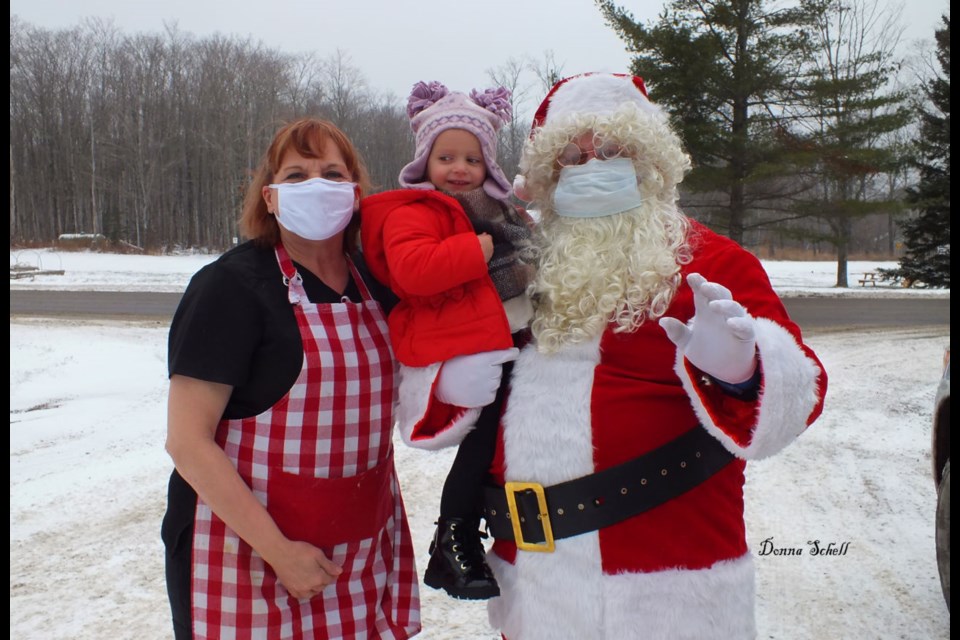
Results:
<point x="814" y="548"/>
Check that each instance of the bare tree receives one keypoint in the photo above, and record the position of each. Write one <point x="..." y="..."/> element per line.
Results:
<point x="511" y="137"/>
<point x="345" y="87"/>
<point x="851" y="112"/>
<point x="547" y="70"/>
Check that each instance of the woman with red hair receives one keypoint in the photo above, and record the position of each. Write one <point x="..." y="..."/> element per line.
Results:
<point x="284" y="516"/>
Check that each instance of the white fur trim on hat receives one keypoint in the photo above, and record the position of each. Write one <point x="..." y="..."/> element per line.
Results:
<point x="595" y="94"/>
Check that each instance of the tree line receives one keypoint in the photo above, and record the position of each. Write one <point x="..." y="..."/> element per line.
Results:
<point x="150" y="139"/>
<point x="801" y="122"/>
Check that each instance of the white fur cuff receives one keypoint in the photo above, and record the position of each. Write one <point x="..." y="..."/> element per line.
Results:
<point x="414" y="403"/>
<point x="788" y="394"/>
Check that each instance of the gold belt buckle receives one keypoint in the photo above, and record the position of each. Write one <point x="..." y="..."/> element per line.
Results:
<point x="547" y="545"/>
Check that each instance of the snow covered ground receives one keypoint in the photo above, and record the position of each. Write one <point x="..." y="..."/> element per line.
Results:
<point x="88" y="475"/>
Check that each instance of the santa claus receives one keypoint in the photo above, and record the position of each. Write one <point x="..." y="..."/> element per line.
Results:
<point x="661" y="360"/>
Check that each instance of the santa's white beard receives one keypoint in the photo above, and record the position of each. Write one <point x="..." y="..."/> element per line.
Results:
<point x="623" y="268"/>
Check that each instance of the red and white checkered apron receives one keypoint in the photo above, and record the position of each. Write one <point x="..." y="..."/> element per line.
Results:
<point x="321" y="460"/>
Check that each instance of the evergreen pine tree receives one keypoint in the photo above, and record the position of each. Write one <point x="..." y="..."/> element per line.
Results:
<point x="926" y="260"/>
<point x="722" y="70"/>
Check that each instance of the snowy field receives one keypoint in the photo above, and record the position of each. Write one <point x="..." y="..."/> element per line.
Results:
<point x="88" y="476"/>
<point x="88" y="271"/>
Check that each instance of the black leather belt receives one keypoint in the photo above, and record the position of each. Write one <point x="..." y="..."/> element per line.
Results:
<point x="534" y="516"/>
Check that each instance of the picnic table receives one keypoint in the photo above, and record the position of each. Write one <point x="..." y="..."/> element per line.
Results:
<point x="28" y="264"/>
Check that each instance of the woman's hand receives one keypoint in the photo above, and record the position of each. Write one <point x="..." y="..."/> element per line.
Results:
<point x="303" y="569"/>
<point x="194" y="410"/>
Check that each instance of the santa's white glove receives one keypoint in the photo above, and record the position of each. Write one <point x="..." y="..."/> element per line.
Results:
<point x="472" y="381"/>
<point x="720" y="339"/>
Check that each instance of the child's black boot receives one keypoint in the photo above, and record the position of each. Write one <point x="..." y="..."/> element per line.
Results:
<point x="457" y="563"/>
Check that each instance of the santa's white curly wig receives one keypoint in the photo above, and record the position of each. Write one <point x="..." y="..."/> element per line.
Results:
<point x="622" y="268"/>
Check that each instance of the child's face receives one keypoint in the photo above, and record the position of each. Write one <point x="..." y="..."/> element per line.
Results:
<point x="456" y="162"/>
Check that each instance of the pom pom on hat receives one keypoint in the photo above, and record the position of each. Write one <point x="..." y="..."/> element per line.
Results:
<point x="496" y="101"/>
<point x="424" y="95"/>
<point x="433" y="109"/>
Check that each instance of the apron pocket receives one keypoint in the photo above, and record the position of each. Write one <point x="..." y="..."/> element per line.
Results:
<point x="330" y="511"/>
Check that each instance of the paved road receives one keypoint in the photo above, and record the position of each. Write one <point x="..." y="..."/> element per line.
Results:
<point x="112" y="304"/>
<point x="810" y="313"/>
<point x="851" y="313"/>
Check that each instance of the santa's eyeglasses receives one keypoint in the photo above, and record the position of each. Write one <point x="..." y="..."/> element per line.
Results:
<point x="572" y="154"/>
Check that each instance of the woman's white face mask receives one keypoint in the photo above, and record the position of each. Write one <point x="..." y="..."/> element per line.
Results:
<point x="597" y="188"/>
<point x="315" y="209"/>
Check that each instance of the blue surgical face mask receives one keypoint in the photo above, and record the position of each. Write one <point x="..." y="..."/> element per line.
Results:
<point x="597" y="188"/>
<point x="315" y="209"/>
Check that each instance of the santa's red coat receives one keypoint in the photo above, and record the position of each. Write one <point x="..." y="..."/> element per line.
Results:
<point x="680" y="570"/>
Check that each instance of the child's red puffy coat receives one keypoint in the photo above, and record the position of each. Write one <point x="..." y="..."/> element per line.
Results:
<point x="421" y="243"/>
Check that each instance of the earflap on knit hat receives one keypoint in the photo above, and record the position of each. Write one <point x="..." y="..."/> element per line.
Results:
<point x="432" y="109"/>
<point x="593" y="93"/>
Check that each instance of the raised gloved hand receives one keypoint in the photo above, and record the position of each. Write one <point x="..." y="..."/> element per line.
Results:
<point x="720" y="339"/>
<point x="472" y="381"/>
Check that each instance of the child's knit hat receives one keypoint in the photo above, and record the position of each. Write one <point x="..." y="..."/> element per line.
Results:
<point x="433" y="109"/>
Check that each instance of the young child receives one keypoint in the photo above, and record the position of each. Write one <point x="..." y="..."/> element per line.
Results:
<point x="459" y="257"/>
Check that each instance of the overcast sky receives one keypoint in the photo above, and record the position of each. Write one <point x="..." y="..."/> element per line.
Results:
<point x="395" y="43"/>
